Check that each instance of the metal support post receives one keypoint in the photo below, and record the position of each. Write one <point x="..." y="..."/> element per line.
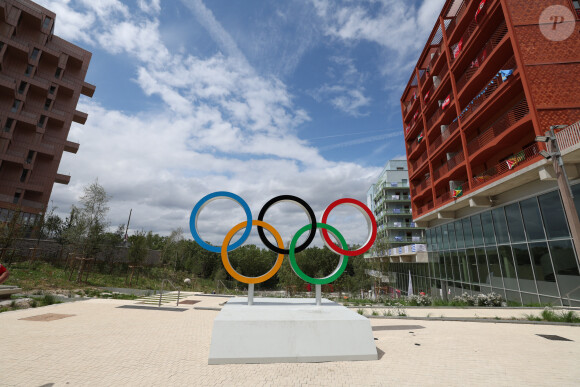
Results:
<point x="250" y="294"/>
<point x="318" y="294"/>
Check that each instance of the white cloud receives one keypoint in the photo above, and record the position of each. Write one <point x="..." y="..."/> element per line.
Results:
<point x="347" y="92"/>
<point x="223" y="127"/>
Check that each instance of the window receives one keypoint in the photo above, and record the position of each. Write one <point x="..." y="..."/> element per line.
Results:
<point x="487" y="224"/>
<point x="524" y="268"/>
<point x="566" y="267"/>
<point x="41" y="121"/>
<point x="499" y="222"/>
<point x="34" y="54"/>
<point x="52" y="89"/>
<point x="16" y="198"/>
<point x="8" y="126"/>
<point x="576" y="4"/>
<point x="477" y="231"/>
<point x="29" y="70"/>
<point x="47" y="104"/>
<point x="58" y="73"/>
<point x="542" y="264"/>
<point x="553" y="214"/>
<point x="514" y="220"/>
<point x="23" y="175"/>
<point x="29" y="157"/>
<point x="532" y="219"/>
<point x="22" y="87"/>
<point x="46" y="22"/>
<point x="15" y="106"/>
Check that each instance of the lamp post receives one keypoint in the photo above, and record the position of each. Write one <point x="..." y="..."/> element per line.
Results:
<point x="563" y="183"/>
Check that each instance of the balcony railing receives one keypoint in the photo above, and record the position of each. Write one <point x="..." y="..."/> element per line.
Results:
<point x="460" y="12"/>
<point x="524" y="157"/>
<point x="444" y="136"/>
<point x="401" y="225"/>
<point x="449" y="165"/>
<point x="515" y="114"/>
<point x="464" y="38"/>
<point x="415" y="164"/>
<point x="422" y="185"/>
<point x="436" y="55"/>
<point x="482" y="55"/>
<point x="446" y="195"/>
<point x="398" y="211"/>
<point x="569" y="136"/>
<point x="487" y="91"/>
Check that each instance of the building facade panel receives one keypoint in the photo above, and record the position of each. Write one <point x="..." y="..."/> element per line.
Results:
<point x="487" y="82"/>
<point x="42" y="78"/>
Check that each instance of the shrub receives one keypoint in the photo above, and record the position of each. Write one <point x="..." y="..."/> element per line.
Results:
<point x="419" y="300"/>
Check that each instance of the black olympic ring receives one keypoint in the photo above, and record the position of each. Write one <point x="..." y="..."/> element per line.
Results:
<point x="301" y="203"/>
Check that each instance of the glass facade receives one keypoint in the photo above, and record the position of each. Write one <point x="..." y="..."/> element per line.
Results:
<point x="522" y="251"/>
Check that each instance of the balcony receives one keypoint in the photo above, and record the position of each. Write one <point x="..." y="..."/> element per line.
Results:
<point x="446" y="194"/>
<point x="457" y="18"/>
<point x="440" y="111"/>
<point x="425" y="208"/>
<point x="449" y="165"/>
<point x="401" y="225"/>
<point x="71" y="147"/>
<point x="436" y="144"/>
<point x="62" y="179"/>
<point x="420" y="187"/>
<point x="522" y="158"/>
<point x="482" y="55"/>
<point x="507" y="120"/>
<point x="488" y="91"/>
<point x="416" y="164"/>
<point x="398" y="211"/>
<point x="415" y="144"/>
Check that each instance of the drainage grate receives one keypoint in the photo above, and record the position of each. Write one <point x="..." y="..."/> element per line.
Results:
<point x="397" y="327"/>
<point x="152" y="308"/>
<point x="554" y="337"/>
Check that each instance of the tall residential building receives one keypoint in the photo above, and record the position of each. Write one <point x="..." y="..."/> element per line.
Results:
<point x="389" y="200"/>
<point x="493" y="75"/>
<point x="41" y="80"/>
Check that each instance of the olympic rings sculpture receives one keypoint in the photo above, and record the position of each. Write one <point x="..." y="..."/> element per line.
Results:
<point x="292" y="249"/>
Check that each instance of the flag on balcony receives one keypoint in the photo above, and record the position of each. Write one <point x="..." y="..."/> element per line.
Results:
<point x="482" y="178"/>
<point x="408" y="128"/>
<point x="475" y="63"/>
<point x="505" y="74"/>
<point x="398" y="238"/>
<point x="415" y="115"/>
<point x="446" y="102"/>
<point x="457" y="49"/>
<point x="393" y="184"/>
<point x="427" y="96"/>
<point x="420" y="137"/>
<point x="515" y="160"/>
<point x="479" y="9"/>
<point x="457" y="192"/>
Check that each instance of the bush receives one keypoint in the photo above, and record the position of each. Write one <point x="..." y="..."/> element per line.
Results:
<point x="490" y="299"/>
<point x="419" y="300"/>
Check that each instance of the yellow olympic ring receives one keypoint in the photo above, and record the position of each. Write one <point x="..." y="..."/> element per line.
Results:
<point x="226" y="261"/>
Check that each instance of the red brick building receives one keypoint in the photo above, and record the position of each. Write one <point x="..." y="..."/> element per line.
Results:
<point x="464" y="122"/>
<point x="41" y="80"/>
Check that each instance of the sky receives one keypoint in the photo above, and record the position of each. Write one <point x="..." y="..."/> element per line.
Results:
<point x="256" y="97"/>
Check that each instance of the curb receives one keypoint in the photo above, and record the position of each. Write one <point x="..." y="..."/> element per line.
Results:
<point x="207" y="308"/>
<point x="479" y="320"/>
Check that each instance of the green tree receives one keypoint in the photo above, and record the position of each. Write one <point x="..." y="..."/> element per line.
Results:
<point x="138" y="248"/>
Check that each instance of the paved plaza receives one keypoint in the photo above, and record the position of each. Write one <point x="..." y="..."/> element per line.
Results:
<point x="96" y="343"/>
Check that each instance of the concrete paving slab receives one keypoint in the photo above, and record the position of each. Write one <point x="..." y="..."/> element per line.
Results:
<point x="103" y="345"/>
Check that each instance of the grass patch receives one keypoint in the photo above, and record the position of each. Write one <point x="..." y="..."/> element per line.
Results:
<point x="565" y="316"/>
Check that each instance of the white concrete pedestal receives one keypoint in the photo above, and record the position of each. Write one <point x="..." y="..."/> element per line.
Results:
<point x="289" y="330"/>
